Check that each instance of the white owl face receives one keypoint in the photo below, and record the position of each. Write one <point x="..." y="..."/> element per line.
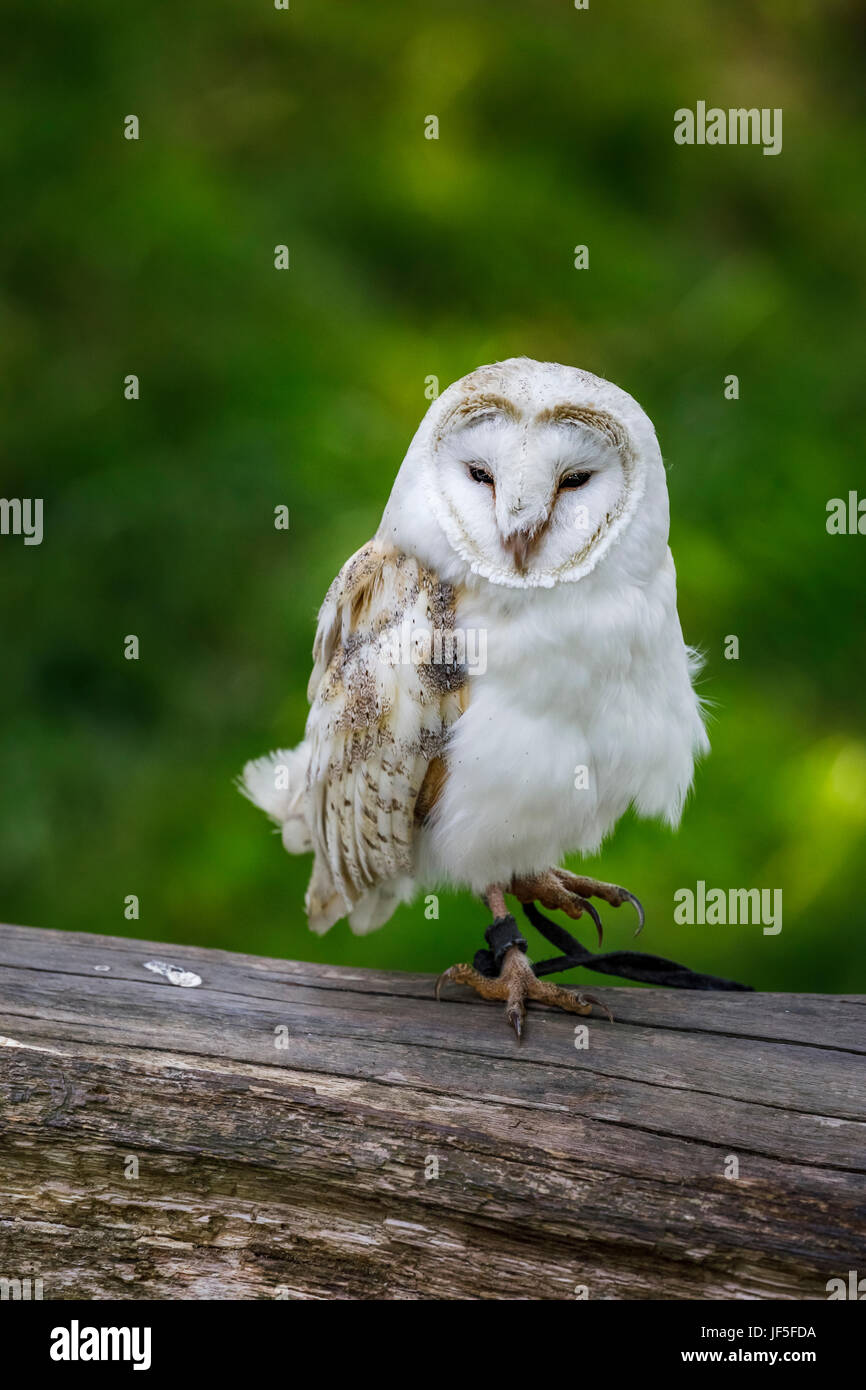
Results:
<point x="526" y="474"/>
<point x="532" y="491"/>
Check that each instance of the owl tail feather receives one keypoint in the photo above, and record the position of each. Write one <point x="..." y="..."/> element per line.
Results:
<point x="276" y="784"/>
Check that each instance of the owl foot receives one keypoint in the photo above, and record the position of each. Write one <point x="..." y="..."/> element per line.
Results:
<point x="557" y="888"/>
<point x="516" y="982"/>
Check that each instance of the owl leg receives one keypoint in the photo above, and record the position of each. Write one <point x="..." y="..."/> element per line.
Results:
<point x="515" y="985"/>
<point x="557" y="888"/>
<point x="516" y="982"/>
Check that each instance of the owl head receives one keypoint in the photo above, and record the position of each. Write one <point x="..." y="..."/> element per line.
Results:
<point x="532" y="472"/>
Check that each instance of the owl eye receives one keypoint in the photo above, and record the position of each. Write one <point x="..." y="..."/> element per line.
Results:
<point x="480" y="475"/>
<point x="574" y="480"/>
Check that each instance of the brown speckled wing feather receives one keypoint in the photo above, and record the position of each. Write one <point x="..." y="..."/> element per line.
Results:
<point x="381" y="706"/>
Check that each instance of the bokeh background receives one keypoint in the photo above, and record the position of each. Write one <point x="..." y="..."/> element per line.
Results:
<point x="412" y="258"/>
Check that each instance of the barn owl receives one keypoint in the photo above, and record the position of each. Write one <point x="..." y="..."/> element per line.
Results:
<point x="500" y="672"/>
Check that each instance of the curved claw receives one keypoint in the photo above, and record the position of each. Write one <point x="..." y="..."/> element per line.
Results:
<point x="599" y="1003"/>
<point x="586" y="906"/>
<point x="446" y="975"/>
<point x="515" y="1014"/>
<point x="638" y="907"/>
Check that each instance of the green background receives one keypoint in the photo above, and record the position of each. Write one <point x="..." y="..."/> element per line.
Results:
<point x="412" y="258"/>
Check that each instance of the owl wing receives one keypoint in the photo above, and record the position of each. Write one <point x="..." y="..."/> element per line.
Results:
<point x="381" y="706"/>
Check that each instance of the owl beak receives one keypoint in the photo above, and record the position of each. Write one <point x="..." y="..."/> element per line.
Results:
<point x="520" y="544"/>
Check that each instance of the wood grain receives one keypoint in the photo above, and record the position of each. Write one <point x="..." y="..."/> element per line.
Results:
<point x="272" y="1133"/>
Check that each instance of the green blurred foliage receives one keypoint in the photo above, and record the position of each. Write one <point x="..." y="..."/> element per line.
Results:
<point x="412" y="257"/>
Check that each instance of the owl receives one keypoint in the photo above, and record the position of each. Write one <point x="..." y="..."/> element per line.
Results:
<point x="499" y="673"/>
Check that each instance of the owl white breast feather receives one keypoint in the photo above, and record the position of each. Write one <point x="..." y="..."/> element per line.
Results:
<point x="501" y="671"/>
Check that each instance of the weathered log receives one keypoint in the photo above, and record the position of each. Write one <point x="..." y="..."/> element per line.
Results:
<point x="304" y="1131"/>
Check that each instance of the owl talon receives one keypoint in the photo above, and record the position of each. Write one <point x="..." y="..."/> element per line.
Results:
<point x="555" y="890"/>
<point x="638" y="907"/>
<point x="608" y="892"/>
<point x="587" y="907"/>
<point x="446" y="975"/>
<point x="516" y="1015"/>
<point x="516" y="984"/>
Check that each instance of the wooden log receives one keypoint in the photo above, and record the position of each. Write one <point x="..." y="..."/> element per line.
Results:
<point x="305" y="1131"/>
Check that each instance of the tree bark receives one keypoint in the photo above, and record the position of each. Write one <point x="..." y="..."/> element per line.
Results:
<point x="285" y="1130"/>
